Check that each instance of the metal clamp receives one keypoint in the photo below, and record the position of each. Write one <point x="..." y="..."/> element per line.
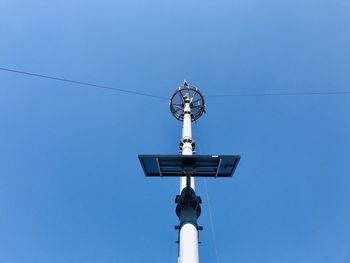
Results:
<point x="187" y="140"/>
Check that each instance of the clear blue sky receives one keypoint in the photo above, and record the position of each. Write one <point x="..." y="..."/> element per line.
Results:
<point x="71" y="187"/>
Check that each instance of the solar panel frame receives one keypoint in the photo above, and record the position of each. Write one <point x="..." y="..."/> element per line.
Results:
<point x="197" y="165"/>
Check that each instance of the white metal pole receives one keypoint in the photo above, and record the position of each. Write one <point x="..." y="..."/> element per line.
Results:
<point x="188" y="244"/>
<point x="187" y="147"/>
<point x="188" y="250"/>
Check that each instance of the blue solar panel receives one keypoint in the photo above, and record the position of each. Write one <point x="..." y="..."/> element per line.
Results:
<point x="197" y="165"/>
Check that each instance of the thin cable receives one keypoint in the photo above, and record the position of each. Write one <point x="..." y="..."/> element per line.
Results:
<point x="209" y="206"/>
<point x="211" y="221"/>
<point x="165" y="98"/>
<point x="82" y="83"/>
<point x="280" y="94"/>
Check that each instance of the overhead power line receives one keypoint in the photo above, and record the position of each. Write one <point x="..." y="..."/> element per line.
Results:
<point x="165" y="98"/>
<point x="279" y="94"/>
<point x="83" y="83"/>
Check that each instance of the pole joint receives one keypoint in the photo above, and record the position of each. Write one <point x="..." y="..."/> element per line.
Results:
<point x="188" y="207"/>
<point x="185" y="140"/>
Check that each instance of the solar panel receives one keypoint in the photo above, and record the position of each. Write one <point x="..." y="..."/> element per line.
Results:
<point x="197" y="165"/>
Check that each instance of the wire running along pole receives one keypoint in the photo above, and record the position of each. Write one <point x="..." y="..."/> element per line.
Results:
<point x="211" y="220"/>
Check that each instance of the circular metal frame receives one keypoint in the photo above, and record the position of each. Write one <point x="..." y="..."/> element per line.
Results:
<point x="184" y="94"/>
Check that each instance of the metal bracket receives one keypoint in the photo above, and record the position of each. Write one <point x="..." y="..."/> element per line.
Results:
<point x="188" y="171"/>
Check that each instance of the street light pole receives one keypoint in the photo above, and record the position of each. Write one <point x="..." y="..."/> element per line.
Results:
<point x="188" y="236"/>
<point x="187" y="105"/>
